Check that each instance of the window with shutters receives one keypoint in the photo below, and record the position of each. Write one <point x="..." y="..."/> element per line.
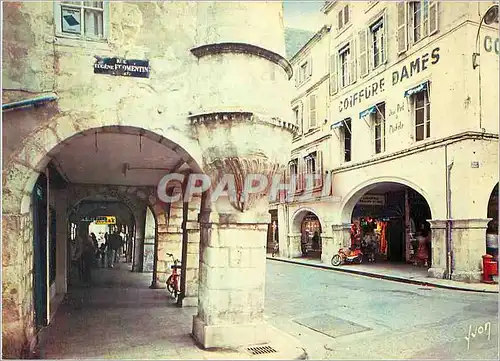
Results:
<point x="305" y="72"/>
<point x="422" y="19"/>
<point x="378" y="47"/>
<point x="343" y="18"/>
<point x="421" y="114"/>
<point x="293" y="169"/>
<point x="363" y="53"/>
<point x="81" y="19"/>
<point x="333" y="84"/>
<point x="378" y="121"/>
<point x="310" y="162"/>
<point x="296" y="114"/>
<point x="347" y="73"/>
<point x="312" y="111"/>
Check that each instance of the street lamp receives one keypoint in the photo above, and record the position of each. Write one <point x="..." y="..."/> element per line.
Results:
<point x="490" y="17"/>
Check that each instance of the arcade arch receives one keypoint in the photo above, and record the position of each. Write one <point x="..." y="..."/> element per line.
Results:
<point x="397" y="214"/>
<point x="307" y="223"/>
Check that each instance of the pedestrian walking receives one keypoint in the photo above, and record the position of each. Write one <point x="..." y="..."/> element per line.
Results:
<point x="110" y="250"/>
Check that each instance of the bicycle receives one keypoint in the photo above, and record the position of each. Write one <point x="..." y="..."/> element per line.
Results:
<point x="173" y="281"/>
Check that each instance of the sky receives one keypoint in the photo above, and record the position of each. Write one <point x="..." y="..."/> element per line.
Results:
<point x="304" y="14"/>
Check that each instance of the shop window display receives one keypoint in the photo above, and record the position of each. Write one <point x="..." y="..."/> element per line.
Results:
<point x="311" y="235"/>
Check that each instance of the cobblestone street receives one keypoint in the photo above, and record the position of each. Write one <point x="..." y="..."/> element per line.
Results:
<point x="331" y="314"/>
<point x="344" y="316"/>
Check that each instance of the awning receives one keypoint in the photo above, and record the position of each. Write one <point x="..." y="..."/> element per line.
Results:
<point x="370" y="110"/>
<point x="336" y="125"/>
<point x="339" y="123"/>
<point x="417" y="89"/>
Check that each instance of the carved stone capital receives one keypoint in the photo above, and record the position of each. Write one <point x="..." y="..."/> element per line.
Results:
<point x="240" y="168"/>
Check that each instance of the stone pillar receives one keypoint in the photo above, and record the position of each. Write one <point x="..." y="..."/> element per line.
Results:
<point x="438" y="244"/>
<point x="327" y="244"/>
<point x="161" y="211"/>
<point x="341" y="238"/>
<point x="139" y="241"/>
<point x="170" y="242"/>
<point x="283" y="231"/>
<point x="232" y="279"/>
<point x="468" y="240"/>
<point x="190" y="255"/>
<point x="294" y="249"/>
<point x="62" y="242"/>
<point x="149" y="242"/>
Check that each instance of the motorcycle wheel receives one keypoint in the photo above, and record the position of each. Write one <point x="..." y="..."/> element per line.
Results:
<point x="359" y="260"/>
<point x="336" y="260"/>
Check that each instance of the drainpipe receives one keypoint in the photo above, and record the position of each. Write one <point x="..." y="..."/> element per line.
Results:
<point x="29" y="102"/>
<point x="449" y="222"/>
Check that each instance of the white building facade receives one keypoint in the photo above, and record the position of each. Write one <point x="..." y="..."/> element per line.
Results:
<point x="389" y="106"/>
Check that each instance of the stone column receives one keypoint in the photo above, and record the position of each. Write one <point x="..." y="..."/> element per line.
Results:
<point x="438" y="244"/>
<point x="62" y="242"/>
<point x="468" y="240"/>
<point x="170" y="242"/>
<point x="283" y="231"/>
<point x="161" y="211"/>
<point x="139" y="241"/>
<point x="232" y="279"/>
<point x="327" y="244"/>
<point x="294" y="249"/>
<point x="191" y="255"/>
<point x="341" y="238"/>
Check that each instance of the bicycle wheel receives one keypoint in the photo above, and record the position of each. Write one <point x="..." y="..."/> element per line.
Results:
<point x="170" y="286"/>
<point x="336" y="260"/>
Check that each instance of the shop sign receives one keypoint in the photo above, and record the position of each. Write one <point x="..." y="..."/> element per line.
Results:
<point x="489" y="44"/>
<point x="407" y="71"/>
<point x="373" y="200"/>
<point x="122" y="67"/>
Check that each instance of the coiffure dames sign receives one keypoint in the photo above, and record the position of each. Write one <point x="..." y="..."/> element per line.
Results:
<point x="122" y="67"/>
<point x="405" y="72"/>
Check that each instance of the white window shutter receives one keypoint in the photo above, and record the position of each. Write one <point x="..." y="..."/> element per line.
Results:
<point x="297" y="77"/>
<point x="312" y="111"/>
<point x="386" y="35"/>
<point x="333" y="73"/>
<point x="363" y="53"/>
<point x="310" y="66"/>
<point x="402" y="27"/>
<point x="352" y="69"/>
<point x="433" y="17"/>
<point x="340" y="19"/>
<point x="319" y="162"/>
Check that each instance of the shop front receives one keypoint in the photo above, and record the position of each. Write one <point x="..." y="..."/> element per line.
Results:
<point x="311" y="236"/>
<point x="392" y="227"/>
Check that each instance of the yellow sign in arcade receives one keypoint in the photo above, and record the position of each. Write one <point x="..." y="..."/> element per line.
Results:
<point x="105" y="220"/>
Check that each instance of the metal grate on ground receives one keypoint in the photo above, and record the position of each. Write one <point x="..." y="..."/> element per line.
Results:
<point x="261" y="350"/>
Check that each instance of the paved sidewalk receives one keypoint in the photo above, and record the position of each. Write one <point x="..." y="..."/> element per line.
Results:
<point x="119" y="317"/>
<point x="399" y="273"/>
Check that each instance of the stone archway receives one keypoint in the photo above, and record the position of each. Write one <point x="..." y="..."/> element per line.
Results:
<point x="397" y="213"/>
<point x="307" y="227"/>
<point x="350" y="200"/>
<point x="21" y="172"/>
<point x="492" y="230"/>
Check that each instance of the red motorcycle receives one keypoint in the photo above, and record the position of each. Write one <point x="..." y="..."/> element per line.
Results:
<point x="347" y="256"/>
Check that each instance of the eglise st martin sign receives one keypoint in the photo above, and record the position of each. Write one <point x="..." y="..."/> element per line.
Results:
<point x="405" y="72"/>
<point x="122" y="67"/>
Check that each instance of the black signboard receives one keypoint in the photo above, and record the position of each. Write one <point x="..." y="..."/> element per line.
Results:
<point x="122" y="67"/>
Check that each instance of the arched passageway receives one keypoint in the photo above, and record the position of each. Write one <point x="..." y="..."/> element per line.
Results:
<point x="492" y="230"/>
<point x="389" y="223"/>
<point x="308" y="225"/>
